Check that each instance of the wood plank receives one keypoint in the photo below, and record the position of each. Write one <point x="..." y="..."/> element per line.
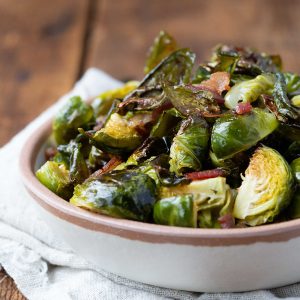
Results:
<point x="8" y="289"/>
<point x="40" y="52"/>
<point x="124" y="30"/>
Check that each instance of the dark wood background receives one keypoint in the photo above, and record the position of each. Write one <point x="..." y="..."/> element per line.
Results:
<point x="45" y="46"/>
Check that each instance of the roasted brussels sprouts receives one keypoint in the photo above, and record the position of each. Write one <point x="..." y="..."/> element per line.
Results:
<point x="249" y="90"/>
<point x="189" y="146"/>
<point x="211" y="196"/>
<point x="163" y="45"/>
<point x="172" y="148"/>
<point x="235" y="133"/>
<point x="284" y="106"/>
<point x="266" y="188"/>
<point x="104" y="101"/>
<point x="56" y="178"/>
<point x="119" y="134"/>
<point x="74" y="114"/>
<point x="176" y="211"/>
<point x="119" y="194"/>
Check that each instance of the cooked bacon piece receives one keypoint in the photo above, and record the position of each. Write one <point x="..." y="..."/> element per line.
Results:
<point x="206" y="174"/>
<point x="227" y="221"/>
<point x="243" y="108"/>
<point x="113" y="162"/>
<point x="218" y="82"/>
<point x="50" y="152"/>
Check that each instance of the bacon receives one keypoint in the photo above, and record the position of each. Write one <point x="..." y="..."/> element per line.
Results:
<point x="201" y="175"/>
<point x="218" y="82"/>
<point x="112" y="163"/>
<point x="50" y="152"/>
<point x="227" y="221"/>
<point x="243" y="108"/>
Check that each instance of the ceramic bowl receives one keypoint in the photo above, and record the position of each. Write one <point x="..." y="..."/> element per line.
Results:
<point x="203" y="260"/>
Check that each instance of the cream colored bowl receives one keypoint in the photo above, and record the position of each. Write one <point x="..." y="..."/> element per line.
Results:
<point x="203" y="260"/>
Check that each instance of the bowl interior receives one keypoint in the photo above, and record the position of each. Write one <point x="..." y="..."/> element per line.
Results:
<point x="32" y="157"/>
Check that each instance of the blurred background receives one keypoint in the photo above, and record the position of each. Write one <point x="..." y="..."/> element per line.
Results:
<point x="45" y="46"/>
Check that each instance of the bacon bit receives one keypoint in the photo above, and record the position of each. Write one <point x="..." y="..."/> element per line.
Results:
<point x="227" y="221"/>
<point x="206" y="174"/>
<point x="113" y="163"/>
<point x="243" y="108"/>
<point x="218" y="82"/>
<point x="50" y="152"/>
<point x="200" y="87"/>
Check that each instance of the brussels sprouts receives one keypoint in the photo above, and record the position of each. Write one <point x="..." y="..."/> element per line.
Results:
<point x="189" y="146"/>
<point x="121" y="194"/>
<point x="202" y="73"/>
<point x="56" y="178"/>
<point x="294" y="208"/>
<point x="250" y="62"/>
<point x="292" y="82"/>
<point x="266" y="188"/>
<point x="97" y="158"/>
<point x="163" y="45"/>
<point x="104" y="101"/>
<point x="235" y="133"/>
<point x="191" y="102"/>
<point x="282" y="101"/>
<point x="176" y="211"/>
<point x="74" y="114"/>
<point x="296" y="101"/>
<point x="166" y="122"/>
<point x="249" y="90"/>
<point x="212" y="197"/>
<point x="74" y="154"/>
<point x="226" y="61"/>
<point x="119" y="135"/>
<point x="174" y="69"/>
<point x="295" y="165"/>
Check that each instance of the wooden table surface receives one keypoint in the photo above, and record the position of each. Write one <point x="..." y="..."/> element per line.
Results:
<point x="45" y="46"/>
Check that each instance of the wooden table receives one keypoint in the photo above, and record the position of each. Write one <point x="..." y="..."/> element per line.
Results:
<point x="46" y="46"/>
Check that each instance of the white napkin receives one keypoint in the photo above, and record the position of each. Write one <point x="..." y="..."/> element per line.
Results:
<point x="42" y="265"/>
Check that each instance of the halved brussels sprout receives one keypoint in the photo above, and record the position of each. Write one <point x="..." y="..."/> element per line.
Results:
<point x="189" y="146"/>
<point x="104" y="101"/>
<point x="121" y="194"/>
<point x="74" y="114"/>
<point x="178" y="211"/>
<point x="56" y="178"/>
<point x="211" y="196"/>
<point x="119" y="134"/>
<point x="235" y="133"/>
<point x="249" y="90"/>
<point x="266" y="188"/>
<point x="163" y="45"/>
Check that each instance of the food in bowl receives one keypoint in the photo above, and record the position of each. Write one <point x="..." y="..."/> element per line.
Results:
<point x="217" y="147"/>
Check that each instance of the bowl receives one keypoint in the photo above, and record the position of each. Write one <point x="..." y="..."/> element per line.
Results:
<point x="192" y="259"/>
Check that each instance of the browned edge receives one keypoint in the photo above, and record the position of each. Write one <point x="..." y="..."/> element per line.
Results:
<point x="134" y="230"/>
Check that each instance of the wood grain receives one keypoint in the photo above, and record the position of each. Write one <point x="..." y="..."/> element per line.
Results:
<point x="124" y="30"/>
<point x="8" y="289"/>
<point x="40" y="52"/>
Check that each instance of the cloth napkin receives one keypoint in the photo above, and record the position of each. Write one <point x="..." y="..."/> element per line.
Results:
<point x="42" y="265"/>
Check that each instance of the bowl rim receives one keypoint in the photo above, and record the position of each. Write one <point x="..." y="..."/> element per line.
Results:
<point x="136" y="230"/>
